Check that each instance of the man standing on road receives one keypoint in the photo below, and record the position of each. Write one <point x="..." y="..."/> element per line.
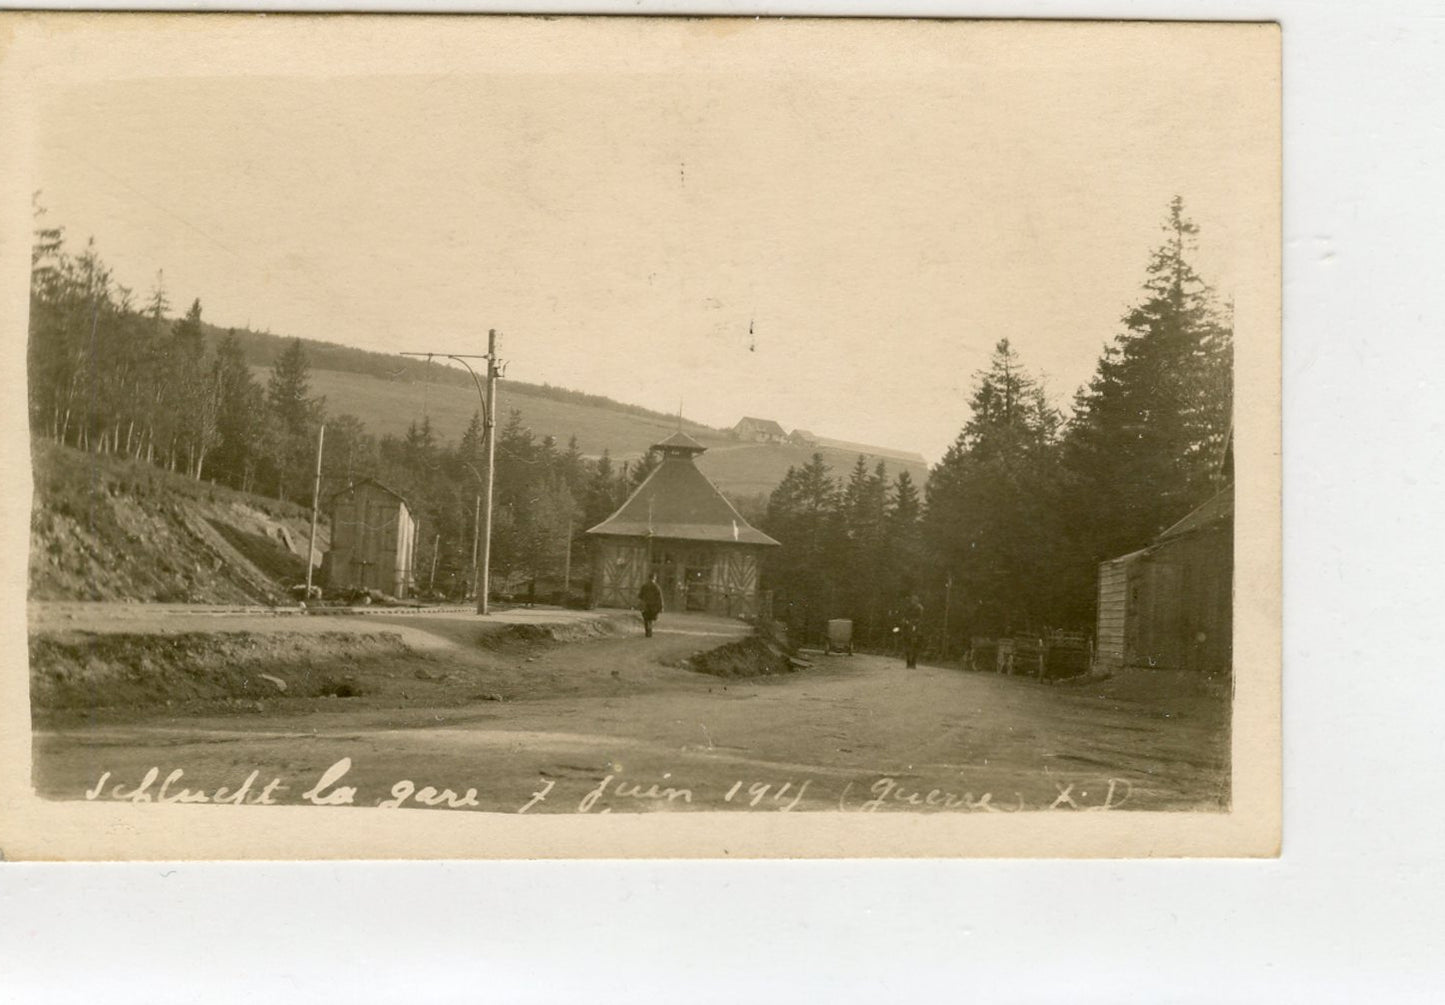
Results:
<point x="912" y="628"/>
<point x="651" y="597"/>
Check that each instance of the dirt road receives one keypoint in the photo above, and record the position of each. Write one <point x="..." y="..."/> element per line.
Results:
<point x="614" y="725"/>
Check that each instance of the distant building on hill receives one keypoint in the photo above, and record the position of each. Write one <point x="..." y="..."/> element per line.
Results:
<point x="373" y="540"/>
<point x="803" y="438"/>
<point x="752" y="430"/>
<point x="678" y="526"/>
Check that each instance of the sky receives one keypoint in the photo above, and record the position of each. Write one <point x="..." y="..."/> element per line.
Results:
<point x="830" y="228"/>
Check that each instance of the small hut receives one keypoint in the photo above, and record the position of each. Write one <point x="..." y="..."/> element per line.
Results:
<point x="373" y="540"/>
<point x="678" y="526"/>
<point x="1170" y="606"/>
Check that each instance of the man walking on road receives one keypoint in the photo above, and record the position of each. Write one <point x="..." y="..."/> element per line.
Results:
<point x="912" y="628"/>
<point x="651" y="597"/>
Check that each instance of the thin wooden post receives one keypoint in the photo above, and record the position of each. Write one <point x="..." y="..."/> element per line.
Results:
<point x="476" y="539"/>
<point x="315" y="506"/>
<point x="567" y="564"/>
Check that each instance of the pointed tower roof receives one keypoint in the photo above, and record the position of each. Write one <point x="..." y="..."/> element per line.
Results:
<point x="679" y="444"/>
<point x="678" y="501"/>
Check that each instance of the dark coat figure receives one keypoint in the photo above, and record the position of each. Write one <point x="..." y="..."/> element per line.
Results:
<point x="912" y="629"/>
<point x="651" y="597"/>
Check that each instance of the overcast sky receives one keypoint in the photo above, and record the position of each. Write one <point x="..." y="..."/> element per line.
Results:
<point x="828" y="230"/>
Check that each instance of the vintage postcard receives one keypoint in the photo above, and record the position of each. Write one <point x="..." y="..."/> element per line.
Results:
<point x="495" y="437"/>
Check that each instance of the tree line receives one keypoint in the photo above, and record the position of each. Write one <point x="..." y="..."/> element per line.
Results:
<point x="1006" y="535"/>
<point x="114" y="376"/>
<point x="1026" y="501"/>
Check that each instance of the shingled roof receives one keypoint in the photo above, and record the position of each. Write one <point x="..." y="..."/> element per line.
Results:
<point x="1216" y="510"/>
<point x="678" y="501"/>
<point x="369" y="481"/>
<point x="679" y="442"/>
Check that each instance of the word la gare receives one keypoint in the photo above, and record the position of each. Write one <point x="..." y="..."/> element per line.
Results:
<point x="328" y="791"/>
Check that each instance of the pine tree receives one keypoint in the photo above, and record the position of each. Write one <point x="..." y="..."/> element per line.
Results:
<point x="293" y="419"/>
<point x="645" y="466"/>
<point x="473" y="442"/>
<point x="288" y="392"/>
<point x="47" y="254"/>
<point x="1149" y="428"/>
<point x="351" y="452"/>
<point x="990" y="521"/>
<point x="903" y="543"/>
<point x="803" y="517"/>
<point x="194" y="391"/>
<point x="599" y="501"/>
<point x="572" y="465"/>
<point x="238" y="414"/>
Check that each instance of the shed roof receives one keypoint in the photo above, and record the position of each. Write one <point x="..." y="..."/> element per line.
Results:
<point x="1215" y="510"/>
<point x="678" y="501"/>
<point x="370" y="481"/>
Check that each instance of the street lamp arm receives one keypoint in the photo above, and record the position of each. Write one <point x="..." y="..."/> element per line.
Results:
<point x="481" y="394"/>
<point x="486" y="414"/>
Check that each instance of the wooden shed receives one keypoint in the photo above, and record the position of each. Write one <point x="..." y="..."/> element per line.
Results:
<point x="373" y="540"/>
<point x="680" y="527"/>
<point x="1170" y="606"/>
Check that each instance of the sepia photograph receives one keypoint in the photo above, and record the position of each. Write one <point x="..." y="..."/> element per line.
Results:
<point x="442" y="437"/>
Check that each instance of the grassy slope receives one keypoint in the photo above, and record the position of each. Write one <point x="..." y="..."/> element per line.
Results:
<point x="388" y="406"/>
<point x="738" y="468"/>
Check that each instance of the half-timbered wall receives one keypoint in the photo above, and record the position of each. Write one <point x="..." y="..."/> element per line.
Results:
<point x="701" y="576"/>
<point x="618" y="572"/>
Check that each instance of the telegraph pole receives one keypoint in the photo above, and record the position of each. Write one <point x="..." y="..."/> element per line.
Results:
<point x="488" y="398"/>
<point x="491" y="425"/>
<point x="315" y="505"/>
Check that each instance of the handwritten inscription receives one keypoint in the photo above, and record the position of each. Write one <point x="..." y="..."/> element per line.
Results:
<point x="171" y="792"/>
<point x="614" y="791"/>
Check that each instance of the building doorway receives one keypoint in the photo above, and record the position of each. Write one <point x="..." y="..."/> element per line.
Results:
<point x="668" y="570"/>
<point x="697" y="572"/>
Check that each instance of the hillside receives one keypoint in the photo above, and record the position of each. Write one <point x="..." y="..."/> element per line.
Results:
<point x="103" y="528"/>
<point x="390" y="392"/>
<point x="390" y="406"/>
<point x="262" y="349"/>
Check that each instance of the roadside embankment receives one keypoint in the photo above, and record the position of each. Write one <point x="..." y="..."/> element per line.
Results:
<point x="142" y="663"/>
<point x="84" y="670"/>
